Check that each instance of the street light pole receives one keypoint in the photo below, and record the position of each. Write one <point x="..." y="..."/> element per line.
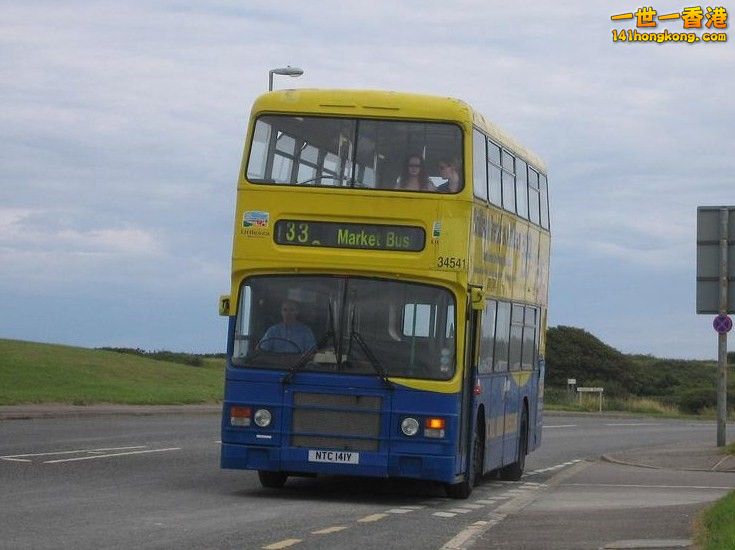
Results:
<point x="285" y="71"/>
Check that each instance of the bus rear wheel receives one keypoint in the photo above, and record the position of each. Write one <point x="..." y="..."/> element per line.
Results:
<point x="272" y="480"/>
<point x="513" y="472"/>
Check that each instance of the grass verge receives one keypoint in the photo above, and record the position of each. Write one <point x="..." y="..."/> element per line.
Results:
<point x="559" y="401"/>
<point x="716" y="526"/>
<point x="47" y="373"/>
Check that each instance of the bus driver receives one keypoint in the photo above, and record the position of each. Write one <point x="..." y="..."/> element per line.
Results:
<point x="289" y="336"/>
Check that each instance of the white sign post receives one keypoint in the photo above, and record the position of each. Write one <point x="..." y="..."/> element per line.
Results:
<point x="598" y="391"/>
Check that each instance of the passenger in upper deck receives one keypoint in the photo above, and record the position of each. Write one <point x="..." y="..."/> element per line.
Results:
<point x="414" y="176"/>
<point x="450" y="171"/>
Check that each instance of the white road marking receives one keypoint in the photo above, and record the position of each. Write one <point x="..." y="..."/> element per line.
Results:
<point x="635" y="424"/>
<point x="328" y="530"/>
<point x="724" y="459"/>
<point x="552" y="468"/>
<point x="473" y="506"/>
<point x="561" y="426"/>
<point x="398" y="511"/>
<point x="282" y="544"/>
<point x="76" y="452"/>
<point x="372" y="517"/>
<point x="467" y="534"/>
<point x="651" y="486"/>
<point x="486" y="501"/>
<point x="111" y="455"/>
<point x="444" y="514"/>
<point x="460" y="510"/>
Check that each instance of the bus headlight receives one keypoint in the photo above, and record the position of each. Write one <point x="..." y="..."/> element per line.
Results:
<point x="410" y="426"/>
<point x="263" y="418"/>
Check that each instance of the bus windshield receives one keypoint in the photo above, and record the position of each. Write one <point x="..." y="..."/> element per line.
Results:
<point x="346" y="324"/>
<point x="362" y="153"/>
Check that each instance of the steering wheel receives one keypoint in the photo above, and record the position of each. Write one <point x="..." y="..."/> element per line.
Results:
<point x="297" y="348"/>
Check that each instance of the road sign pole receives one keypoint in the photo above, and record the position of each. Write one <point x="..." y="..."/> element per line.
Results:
<point x="722" y="336"/>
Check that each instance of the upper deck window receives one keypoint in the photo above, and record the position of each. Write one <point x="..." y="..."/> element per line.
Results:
<point x="342" y="152"/>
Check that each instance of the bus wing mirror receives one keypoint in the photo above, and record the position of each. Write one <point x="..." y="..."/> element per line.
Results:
<point x="224" y="305"/>
<point x="477" y="298"/>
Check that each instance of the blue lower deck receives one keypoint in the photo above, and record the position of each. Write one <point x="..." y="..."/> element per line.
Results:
<point x="391" y="453"/>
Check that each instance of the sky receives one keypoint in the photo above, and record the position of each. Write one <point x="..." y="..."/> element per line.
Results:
<point x="122" y="126"/>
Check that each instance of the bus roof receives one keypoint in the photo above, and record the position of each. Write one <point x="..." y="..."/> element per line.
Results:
<point x="387" y="104"/>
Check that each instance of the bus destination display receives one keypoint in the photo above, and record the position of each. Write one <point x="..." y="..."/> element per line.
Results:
<point x="349" y="235"/>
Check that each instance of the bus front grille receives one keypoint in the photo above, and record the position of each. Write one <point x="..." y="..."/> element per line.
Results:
<point x="333" y="421"/>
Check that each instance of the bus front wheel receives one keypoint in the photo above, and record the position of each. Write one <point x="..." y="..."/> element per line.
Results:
<point x="463" y="489"/>
<point x="272" y="480"/>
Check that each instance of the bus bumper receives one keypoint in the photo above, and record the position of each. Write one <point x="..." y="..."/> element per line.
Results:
<point x="251" y="457"/>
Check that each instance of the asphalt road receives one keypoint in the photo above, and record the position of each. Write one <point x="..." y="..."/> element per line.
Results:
<point x="154" y="482"/>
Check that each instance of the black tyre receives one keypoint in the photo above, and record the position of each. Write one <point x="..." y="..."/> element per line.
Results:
<point x="513" y="472"/>
<point x="463" y="489"/>
<point x="272" y="480"/>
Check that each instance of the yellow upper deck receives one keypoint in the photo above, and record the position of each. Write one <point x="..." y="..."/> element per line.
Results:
<point x="467" y="241"/>
<point x="388" y="105"/>
<point x="458" y="247"/>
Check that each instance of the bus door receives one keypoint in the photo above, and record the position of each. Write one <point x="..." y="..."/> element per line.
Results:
<point x="501" y="383"/>
<point x="512" y="392"/>
<point x="469" y="409"/>
<point x="491" y="390"/>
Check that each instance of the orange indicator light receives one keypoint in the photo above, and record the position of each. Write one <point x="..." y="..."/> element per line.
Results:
<point x="435" y="423"/>
<point x="240" y="412"/>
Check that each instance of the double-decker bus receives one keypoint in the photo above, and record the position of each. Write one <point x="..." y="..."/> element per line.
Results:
<point x="389" y="288"/>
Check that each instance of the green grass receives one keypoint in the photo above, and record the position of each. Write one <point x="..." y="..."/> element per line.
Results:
<point x="716" y="526"/>
<point x="47" y="373"/>
<point x="558" y="400"/>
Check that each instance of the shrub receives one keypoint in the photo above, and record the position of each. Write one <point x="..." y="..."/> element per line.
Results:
<point x="575" y="353"/>
<point x="695" y="399"/>
<point x="169" y="356"/>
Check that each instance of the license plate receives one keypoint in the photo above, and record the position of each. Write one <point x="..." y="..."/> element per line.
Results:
<point x="335" y="457"/>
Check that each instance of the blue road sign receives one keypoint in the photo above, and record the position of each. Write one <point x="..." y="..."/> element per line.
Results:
<point x="722" y="324"/>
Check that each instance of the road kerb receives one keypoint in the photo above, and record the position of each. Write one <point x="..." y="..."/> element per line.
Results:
<point x="466" y="538"/>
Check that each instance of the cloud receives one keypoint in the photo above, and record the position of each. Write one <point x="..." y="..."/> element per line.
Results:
<point x="123" y="124"/>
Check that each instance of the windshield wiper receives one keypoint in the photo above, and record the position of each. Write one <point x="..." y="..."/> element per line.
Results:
<point x="304" y="359"/>
<point x="372" y="358"/>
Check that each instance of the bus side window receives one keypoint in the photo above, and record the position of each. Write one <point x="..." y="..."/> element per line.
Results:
<point x="259" y="150"/>
<point x="530" y="324"/>
<point x="509" y="182"/>
<point x="495" y="194"/>
<point x="516" y="337"/>
<point x="487" y="338"/>
<point x="533" y="197"/>
<point x="479" y="165"/>
<point x="502" y="337"/>
<point x="521" y="189"/>
<point x="544" y="201"/>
